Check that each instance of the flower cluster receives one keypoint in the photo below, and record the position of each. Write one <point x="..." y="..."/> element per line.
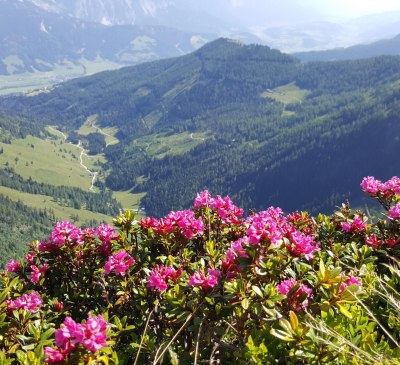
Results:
<point x="37" y="272"/>
<point x="356" y="225"/>
<point x="271" y="226"/>
<point x="120" y="262"/>
<point x="65" y="233"/>
<point x="207" y="282"/>
<point x="13" y="266"/>
<point x="224" y="207"/>
<point x="92" y="335"/>
<point x="182" y="221"/>
<point x="352" y="280"/>
<point x="394" y="212"/>
<point x="377" y="188"/>
<point x="29" y="302"/>
<point x="160" y="275"/>
<point x="298" y="300"/>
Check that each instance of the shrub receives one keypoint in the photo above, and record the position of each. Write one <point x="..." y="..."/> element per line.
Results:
<point x="208" y="285"/>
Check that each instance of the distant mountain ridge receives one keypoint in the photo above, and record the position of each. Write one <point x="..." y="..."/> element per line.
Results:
<point x="382" y="47"/>
<point x="37" y="40"/>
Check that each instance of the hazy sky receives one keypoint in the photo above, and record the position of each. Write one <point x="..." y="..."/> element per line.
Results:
<point x="299" y="11"/>
<point x="351" y="8"/>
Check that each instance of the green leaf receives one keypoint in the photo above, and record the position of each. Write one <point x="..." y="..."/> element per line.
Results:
<point x="344" y="311"/>
<point x="257" y="290"/>
<point x="46" y="335"/>
<point x="282" y="335"/>
<point x="245" y="303"/>
<point x="293" y="320"/>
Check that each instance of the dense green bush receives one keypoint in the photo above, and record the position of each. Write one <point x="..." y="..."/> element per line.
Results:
<point x="207" y="285"/>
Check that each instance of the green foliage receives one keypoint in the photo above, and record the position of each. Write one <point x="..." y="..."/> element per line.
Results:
<point x="17" y="221"/>
<point x="341" y="306"/>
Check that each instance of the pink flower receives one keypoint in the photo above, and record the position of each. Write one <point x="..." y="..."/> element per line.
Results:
<point x="206" y="282"/>
<point x="357" y="225"/>
<point x="352" y="280"/>
<point x="65" y="233"/>
<point x="299" y="299"/>
<point x="370" y="185"/>
<point x="203" y="199"/>
<point x="13" y="266"/>
<point x="106" y="233"/>
<point x="373" y="240"/>
<point x="148" y="222"/>
<point x="54" y="356"/>
<point x="70" y="332"/>
<point x="38" y="272"/>
<point x="160" y="275"/>
<point x="392" y="186"/>
<point x="185" y="222"/>
<point x="346" y="226"/>
<point x="267" y="225"/>
<point x="29" y="302"/>
<point x="226" y="210"/>
<point x="120" y="262"/>
<point x="91" y="334"/>
<point x="163" y="226"/>
<point x="394" y="212"/>
<point x="301" y="244"/>
<point x="30" y="258"/>
<point x="95" y="333"/>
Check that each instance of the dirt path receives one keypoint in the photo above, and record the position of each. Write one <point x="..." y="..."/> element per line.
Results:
<point x="93" y="174"/>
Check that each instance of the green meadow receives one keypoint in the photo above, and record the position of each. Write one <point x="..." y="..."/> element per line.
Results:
<point x="160" y="145"/>
<point x="77" y="216"/>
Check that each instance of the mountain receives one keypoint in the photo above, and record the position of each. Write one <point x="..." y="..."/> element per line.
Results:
<point x="37" y="40"/>
<point x="382" y="47"/>
<point x="243" y="120"/>
<point x="290" y="26"/>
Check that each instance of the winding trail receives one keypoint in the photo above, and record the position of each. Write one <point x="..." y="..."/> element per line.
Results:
<point x="91" y="173"/>
<point x="83" y="153"/>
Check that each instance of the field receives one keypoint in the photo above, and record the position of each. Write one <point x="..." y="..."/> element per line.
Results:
<point x="90" y="127"/>
<point x="160" y="145"/>
<point x="34" y="82"/>
<point x="79" y="217"/>
<point x="56" y="162"/>
<point x="287" y="94"/>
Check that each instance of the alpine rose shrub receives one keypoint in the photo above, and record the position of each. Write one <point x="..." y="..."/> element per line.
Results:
<point x="210" y="285"/>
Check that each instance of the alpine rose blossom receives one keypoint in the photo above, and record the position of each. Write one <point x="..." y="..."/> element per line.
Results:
<point x="95" y="333"/>
<point x="13" y="266"/>
<point x="160" y="275"/>
<point x="69" y="332"/>
<point x="299" y="299"/>
<point x="36" y="272"/>
<point x="352" y="280"/>
<point x="206" y="282"/>
<point x="394" y="212"/>
<point x="370" y="185"/>
<point x="120" y="262"/>
<point x="357" y="225"/>
<point x="55" y="356"/>
<point x="29" y="302"/>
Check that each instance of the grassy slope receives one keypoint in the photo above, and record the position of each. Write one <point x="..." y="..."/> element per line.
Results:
<point x="57" y="162"/>
<point x="60" y="212"/>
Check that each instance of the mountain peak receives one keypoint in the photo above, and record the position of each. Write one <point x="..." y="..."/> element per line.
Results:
<point x="225" y="48"/>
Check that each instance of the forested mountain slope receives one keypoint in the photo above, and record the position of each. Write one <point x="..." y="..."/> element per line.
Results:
<point x="382" y="47"/>
<point x="241" y="120"/>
